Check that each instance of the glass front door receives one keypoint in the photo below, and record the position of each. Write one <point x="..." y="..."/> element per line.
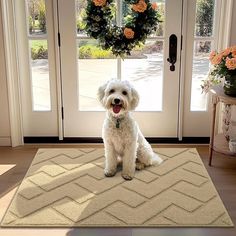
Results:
<point x="85" y="66"/>
<point x="68" y="75"/>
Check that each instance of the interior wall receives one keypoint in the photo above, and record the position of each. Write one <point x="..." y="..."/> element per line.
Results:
<point x="4" y="110"/>
<point x="233" y="28"/>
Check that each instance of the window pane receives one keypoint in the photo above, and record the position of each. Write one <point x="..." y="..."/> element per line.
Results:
<point x="36" y="17"/>
<point x="204" y="18"/>
<point x="200" y="70"/>
<point x="204" y="27"/>
<point x="95" y="66"/>
<point x="144" y="68"/>
<point x="40" y="75"/>
<point x="80" y="15"/>
<point x="161" y="11"/>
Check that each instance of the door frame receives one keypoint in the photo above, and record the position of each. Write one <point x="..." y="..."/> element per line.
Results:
<point x="12" y="72"/>
<point x="12" y="69"/>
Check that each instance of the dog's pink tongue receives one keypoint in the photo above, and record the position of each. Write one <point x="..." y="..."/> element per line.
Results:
<point x="116" y="108"/>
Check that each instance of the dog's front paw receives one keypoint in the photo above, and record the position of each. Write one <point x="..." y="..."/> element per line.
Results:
<point x="127" y="177"/>
<point x="109" y="173"/>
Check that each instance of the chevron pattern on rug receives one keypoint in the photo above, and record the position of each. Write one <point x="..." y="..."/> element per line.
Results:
<point x="67" y="188"/>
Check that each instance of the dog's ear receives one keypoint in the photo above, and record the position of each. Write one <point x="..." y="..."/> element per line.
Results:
<point x="135" y="98"/>
<point x="101" y="92"/>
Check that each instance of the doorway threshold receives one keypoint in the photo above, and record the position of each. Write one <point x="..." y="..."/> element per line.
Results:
<point x="152" y="140"/>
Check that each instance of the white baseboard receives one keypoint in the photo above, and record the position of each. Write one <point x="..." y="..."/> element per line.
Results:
<point x="5" y="141"/>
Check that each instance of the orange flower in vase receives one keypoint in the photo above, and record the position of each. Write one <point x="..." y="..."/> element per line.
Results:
<point x="231" y="63"/>
<point x="223" y="70"/>
<point x="212" y="55"/>
<point x="216" y="60"/>
<point x="226" y="52"/>
<point x="233" y="51"/>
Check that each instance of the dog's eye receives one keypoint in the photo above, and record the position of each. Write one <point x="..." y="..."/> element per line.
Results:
<point x="111" y="91"/>
<point x="124" y="93"/>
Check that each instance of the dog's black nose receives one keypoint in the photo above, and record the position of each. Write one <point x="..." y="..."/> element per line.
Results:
<point x="117" y="100"/>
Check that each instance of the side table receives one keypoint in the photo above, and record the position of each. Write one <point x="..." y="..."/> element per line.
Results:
<point x="218" y="142"/>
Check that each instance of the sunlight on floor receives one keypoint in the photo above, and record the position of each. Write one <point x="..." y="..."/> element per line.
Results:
<point x="5" y="168"/>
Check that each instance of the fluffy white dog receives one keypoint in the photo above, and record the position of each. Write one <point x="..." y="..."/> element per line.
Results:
<point x="121" y="135"/>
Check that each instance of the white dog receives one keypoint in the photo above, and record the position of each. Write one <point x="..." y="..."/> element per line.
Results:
<point x="121" y="135"/>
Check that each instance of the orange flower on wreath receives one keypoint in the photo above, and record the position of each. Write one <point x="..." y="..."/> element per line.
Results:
<point x="99" y="3"/>
<point x="154" y="6"/>
<point x="129" y="33"/>
<point x="141" y="6"/>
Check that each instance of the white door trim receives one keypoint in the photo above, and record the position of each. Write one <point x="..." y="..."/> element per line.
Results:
<point x="58" y="70"/>
<point x="12" y="72"/>
<point x="182" y="69"/>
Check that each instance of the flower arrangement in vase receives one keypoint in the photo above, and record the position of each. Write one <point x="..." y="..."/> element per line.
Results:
<point x="223" y="69"/>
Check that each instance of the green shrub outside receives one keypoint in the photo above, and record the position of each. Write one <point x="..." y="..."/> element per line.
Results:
<point x="37" y="16"/>
<point x="30" y="20"/>
<point x="42" y="17"/>
<point x="80" y="25"/>
<point x="39" y="49"/>
<point x="80" y="22"/>
<point x="93" y="52"/>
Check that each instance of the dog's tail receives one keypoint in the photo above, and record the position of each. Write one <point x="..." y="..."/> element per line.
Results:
<point x="156" y="160"/>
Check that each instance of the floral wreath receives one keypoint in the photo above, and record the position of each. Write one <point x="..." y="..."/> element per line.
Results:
<point x="141" y="20"/>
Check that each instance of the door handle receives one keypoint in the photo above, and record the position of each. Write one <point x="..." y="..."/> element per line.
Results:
<point x="172" y="51"/>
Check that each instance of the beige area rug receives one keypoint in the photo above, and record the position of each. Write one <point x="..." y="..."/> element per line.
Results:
<point x="67" y="188"/>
